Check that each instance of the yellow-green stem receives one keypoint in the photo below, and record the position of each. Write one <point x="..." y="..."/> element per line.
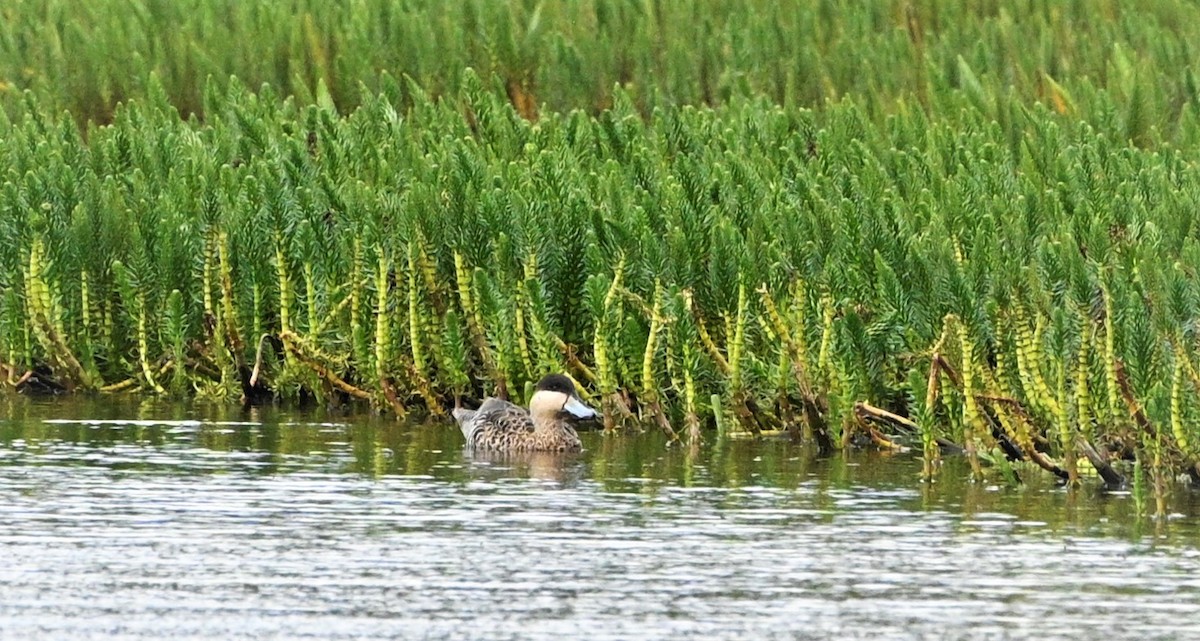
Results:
<point x="1177" y="424"/>
<point x="649" y="389"/>
<point x="310" y="299"/>
<point x="1110" y="357"/>
<point x="383" y="333"/>
<point x="739" y="337"/>
<point x="972" y="421"/>
<point x="1066" y="436"/>
<point x="144" y="347"/>
<point x="1082" y="397"/>
<point x="414" y="317"/>
<point x="827" y="312"/>
<point x="285" y="286"/>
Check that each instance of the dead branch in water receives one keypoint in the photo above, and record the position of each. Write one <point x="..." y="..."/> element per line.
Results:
<point x="1112" y="478"/>
<point x="1020" y="413"/>
<point x="868" y="413"/>
<point x="660" y="417"/>
<point x="1135" y="408"/>
<point x="296" y="346"/>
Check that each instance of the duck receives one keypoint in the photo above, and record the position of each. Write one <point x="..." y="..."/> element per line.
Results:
<point x="501" y="426"/>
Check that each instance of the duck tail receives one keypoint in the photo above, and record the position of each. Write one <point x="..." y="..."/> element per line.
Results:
<point x="464" y="416"/>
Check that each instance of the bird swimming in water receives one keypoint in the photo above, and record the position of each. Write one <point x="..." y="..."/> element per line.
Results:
<point x="501" y="426"/>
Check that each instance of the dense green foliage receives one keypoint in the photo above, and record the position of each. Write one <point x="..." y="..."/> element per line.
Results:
<point x="88" y="56"/>
<point x="694" y="247"/>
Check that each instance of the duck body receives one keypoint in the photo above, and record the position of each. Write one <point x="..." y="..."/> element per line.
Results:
<point x="504" y="427"/>
<point x="501" y="426"/>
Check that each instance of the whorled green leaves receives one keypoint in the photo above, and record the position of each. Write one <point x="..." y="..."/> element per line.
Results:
<point x="475" y="250"/>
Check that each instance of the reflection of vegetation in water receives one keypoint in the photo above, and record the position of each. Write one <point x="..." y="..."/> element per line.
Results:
<point x="190" y="440"/>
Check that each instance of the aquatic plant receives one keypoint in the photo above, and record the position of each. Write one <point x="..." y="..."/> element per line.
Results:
<point x="561" y="56"/>
<point x="940" y="262"/>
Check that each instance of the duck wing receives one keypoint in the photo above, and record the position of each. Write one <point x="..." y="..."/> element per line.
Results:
<point x="495" y="422"/>
<point x="467" y="419"/>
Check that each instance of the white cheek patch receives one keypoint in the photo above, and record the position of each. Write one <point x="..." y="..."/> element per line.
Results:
<point x="576" y="408"/>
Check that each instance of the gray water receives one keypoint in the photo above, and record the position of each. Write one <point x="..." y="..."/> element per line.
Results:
<point x="163" y="522"/>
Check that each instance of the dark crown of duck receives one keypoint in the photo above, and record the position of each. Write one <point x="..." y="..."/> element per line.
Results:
<point x="561" y="392"/>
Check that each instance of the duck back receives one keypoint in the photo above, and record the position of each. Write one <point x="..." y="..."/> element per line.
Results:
<point x="501" y="426"/>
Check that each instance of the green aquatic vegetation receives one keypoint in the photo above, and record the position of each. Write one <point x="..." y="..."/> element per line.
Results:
<point x="972" y="419"/>
<point x="1133" y="70"/>
<point x="1023" y="282"/>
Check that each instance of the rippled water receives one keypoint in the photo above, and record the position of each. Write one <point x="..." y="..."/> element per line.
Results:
<point x="160" y="522"/>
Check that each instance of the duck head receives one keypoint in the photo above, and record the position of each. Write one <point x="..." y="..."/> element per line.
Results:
<point x="555" y="397"/>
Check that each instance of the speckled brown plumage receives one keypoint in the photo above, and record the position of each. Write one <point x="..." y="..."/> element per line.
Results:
<point x="500" y="425"/>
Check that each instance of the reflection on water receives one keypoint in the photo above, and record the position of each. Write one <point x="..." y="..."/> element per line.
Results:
<point x="561" y="467"/>
<point x="156" y="521"/>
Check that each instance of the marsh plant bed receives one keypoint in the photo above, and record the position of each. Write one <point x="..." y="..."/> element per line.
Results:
<point x="1082" y="57"/>
<point x="1026" y="284"/>
<point x="994" y="253"/>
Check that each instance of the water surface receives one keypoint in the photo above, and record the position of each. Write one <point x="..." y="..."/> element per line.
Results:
<point x="163" y="522"/>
